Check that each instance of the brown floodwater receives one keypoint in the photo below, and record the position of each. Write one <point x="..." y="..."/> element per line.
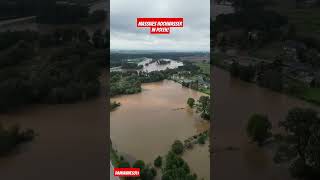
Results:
<point x="146" y="124"/>
<point x="234" y="102"/>
<point x="72" y="142"/>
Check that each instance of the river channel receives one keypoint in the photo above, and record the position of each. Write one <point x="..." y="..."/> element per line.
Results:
<point x="146" y="124"/>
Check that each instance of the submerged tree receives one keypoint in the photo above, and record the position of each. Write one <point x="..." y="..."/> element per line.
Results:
<point x="177" y="147"/>
<point x="204" y="107"/>
<point x="259" y="128"/>
<point x="176" y="168"/>
<point x="11" y="137"/>
<point x="191" y="102"/>
<point x="158" y="161"/>
<point x="301" y="144"/>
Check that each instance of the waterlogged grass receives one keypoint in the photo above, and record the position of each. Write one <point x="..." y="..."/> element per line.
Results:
<point x="312" y="95"/>
<point x="205" y="90"/>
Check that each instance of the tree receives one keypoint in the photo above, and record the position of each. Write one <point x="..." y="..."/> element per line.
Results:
<point x="148" y="173"/>
<point x="139" y="164"/>
<point x="158" y="161"/>
<point x="98" y="39"/>
<point x="258" y="128"/>
<point x="83" y="35"/>
<point x="234" y="69"/>
<point x="204" y="107"/>
<point x="246" y="73"/>
<point x="273" y="80"/>
<point x="177" y="147"/>
<point x="97" y="16"/>
<point x="302" y="143"/>
<point x="313" y="151"/>
<point x="298" y="123"/>
<point x="176" y="168"/>
<point x="190" y="102"/>
<point x="201" y="139"/>
<point x="123" y="164"/>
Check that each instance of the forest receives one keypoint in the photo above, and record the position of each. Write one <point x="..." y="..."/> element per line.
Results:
<point x="60" y="67"/>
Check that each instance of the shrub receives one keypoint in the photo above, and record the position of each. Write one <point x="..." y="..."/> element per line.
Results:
<point x="177" y="147"/>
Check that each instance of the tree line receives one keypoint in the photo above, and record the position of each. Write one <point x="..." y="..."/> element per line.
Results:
<point x="51" y="11"/>
<point x="60" y="67"/>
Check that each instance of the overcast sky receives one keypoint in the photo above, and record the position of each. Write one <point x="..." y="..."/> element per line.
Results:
<point x="194" y="36"/>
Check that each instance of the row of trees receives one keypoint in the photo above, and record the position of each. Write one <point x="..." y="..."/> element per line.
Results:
<point x="246" y="73"/>
<point x="130" y="82"/>
<point x="266" y="75"/>
<point x="176" y="168"/>
<point x="32" y="73"/>
<point x="52" y="11"/>
<point x="58" y="37"/>
<point x="299" y="145"/>
<point x="124" y="83"/>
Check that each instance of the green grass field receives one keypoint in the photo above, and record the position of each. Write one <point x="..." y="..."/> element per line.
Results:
<point x="307" y="20"/>
<point x="205" y="90"/>
<point x="204" y="66"/>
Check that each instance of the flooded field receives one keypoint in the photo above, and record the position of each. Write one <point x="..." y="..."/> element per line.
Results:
<point x="149" y="66"/>
<point x="155" y="67"/>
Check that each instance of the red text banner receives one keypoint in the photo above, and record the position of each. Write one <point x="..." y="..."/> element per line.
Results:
<point x="159" y="25"/>
<point x="126" y="172"/>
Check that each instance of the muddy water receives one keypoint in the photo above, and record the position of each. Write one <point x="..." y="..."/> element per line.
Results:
<point x="235" y="101"/>
<point x="146" y="124"/>
<point x="72" y="142"/>
<point x="198" y="159"/>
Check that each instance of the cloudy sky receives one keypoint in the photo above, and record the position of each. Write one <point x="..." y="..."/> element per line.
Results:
<point x="194" y="36"/>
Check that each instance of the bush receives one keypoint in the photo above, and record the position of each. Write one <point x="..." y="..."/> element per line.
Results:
<point x="148" y="173"/>
<point x="191" y="102"/>
<point x="158" y="161"/>
<point x="123" y="164"/>
<point x="201" y="139"/>
<point x="176" y="168"/>
<point x="177" y="147"/>
<point x="139" y="164"/>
